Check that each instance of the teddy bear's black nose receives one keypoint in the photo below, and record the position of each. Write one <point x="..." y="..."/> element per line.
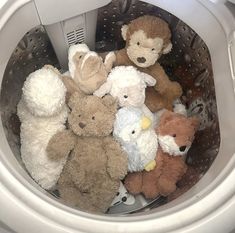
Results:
<point x="141" y="59"/>
<point x="81" y="125"/>
<point x="182" y="148"/>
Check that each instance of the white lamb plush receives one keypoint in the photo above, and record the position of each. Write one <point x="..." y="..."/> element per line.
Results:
<point x="127" y="84"/>
<point x="135" y="132"/>
<point x="42" y="112"/>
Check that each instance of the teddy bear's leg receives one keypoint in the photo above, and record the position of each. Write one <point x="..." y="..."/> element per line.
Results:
<point x="149" y="187"/>
<point x="71" y="195"/>
<point x="173" y="170"/>
<point x="103" y="193"/>
<point x="166" y="186"/>
<point x="133" y="182"/>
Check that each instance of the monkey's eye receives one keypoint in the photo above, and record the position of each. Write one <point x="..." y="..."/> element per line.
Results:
<point x="138" y="43"/>
<point x="79" y="115"/>
<point x="133" y="132"/>
<point x="125" y="96"/>
<point x="80" y="56"/>
<point x="93" y="118"/>
<point x="174" y="135"/>
<point x="153" y="49"/>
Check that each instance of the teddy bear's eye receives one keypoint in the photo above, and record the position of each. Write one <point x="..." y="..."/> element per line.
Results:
<point x="79" y="115"/>
<point x="133" y="132"/>
<point x="125" y="96"/>
<point x="93" y="118"/>
<point x="153" y="49"/>
<point x="138" y="43"/>
<point x="80" y="56"/>
<point x="174" y="135"/>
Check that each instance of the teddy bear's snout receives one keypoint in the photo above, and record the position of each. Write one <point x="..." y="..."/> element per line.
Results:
<point x="183" y="148"/>
<point x="81" y="125"/>
<point x="141" y="59"/>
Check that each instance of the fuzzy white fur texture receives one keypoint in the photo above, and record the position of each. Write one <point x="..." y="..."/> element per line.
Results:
<point x="169" y="146"/>
<point x="73" y="49"/>
<point x="44" y="93"/>
<point x="40" y="90"/>
<point x="127" y="84"/>
<point x="140" y="145"/>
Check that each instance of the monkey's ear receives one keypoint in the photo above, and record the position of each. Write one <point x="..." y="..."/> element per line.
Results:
<point x="167" y="49"/>
<point x="124" y="31"/>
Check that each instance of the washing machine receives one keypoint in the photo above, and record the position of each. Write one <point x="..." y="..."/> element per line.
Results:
<point x="38" y="32"/>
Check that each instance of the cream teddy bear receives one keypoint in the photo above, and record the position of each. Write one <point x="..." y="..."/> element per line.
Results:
<point x="136" y="134"/>
<point x="42" y="112"/>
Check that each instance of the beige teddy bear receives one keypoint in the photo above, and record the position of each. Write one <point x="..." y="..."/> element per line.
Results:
<point x="91" y="177"/>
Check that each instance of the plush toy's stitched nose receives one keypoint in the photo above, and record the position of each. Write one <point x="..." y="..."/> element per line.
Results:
<point x="81" y="125"/>
<point x="182" y="148"/>
<point x="141" y="59"/>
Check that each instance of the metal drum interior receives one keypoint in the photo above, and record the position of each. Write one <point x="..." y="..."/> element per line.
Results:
<point x="189" y="63"/>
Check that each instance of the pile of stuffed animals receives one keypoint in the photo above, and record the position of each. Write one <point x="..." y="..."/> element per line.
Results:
<point x="112" y="124"/>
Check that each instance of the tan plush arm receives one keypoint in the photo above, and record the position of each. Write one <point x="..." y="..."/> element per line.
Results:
<point x="117" y="159"/>
<point x="60" y="145"/>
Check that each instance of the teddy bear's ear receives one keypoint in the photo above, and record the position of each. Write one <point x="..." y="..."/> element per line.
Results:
<point x="149" y="80"/>
<point x="91" y="64"/>
<point x="167" y="48"/>
<point x="166" y="116"/>
<point x="74" y="99"/>
<point x="110" y="102"/>
<point x="124" y="31"/>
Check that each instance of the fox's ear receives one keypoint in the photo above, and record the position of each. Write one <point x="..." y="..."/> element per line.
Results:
<point x="166" y="116"/>
<point x="195" y="122"/>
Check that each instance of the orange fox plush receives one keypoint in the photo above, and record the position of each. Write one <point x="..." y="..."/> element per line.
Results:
<point x="176" y="134"/>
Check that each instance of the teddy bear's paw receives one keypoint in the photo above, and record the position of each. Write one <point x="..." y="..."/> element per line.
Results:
<point x="60" y="145"/>
<point x="117" y="172"/>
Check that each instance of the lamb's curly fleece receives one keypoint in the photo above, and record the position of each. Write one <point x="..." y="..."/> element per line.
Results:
<point x="42" y="112"/>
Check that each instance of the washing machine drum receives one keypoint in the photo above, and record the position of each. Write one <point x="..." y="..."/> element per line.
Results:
<point x="35" y="33"/>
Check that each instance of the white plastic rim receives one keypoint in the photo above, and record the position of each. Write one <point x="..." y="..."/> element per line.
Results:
<point x="208" y="205"/>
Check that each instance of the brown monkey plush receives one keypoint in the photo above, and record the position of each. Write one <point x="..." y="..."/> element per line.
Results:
<point x="147" y="38"/>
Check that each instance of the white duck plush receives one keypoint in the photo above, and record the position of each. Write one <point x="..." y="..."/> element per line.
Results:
<point x="127" y="84"/>
<point x="42" y="112"/>
<point x="135" y="132"/>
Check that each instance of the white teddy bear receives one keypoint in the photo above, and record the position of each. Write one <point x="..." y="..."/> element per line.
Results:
<point x="42" y="112"/>
<point x="127" y="84"/>
<point x="135" y="132"/>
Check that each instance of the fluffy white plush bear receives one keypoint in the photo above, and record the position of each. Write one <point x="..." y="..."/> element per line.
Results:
<point x="135" y="132"/>
<point x="42" y="112"/>
<point x="127" y="84"/>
